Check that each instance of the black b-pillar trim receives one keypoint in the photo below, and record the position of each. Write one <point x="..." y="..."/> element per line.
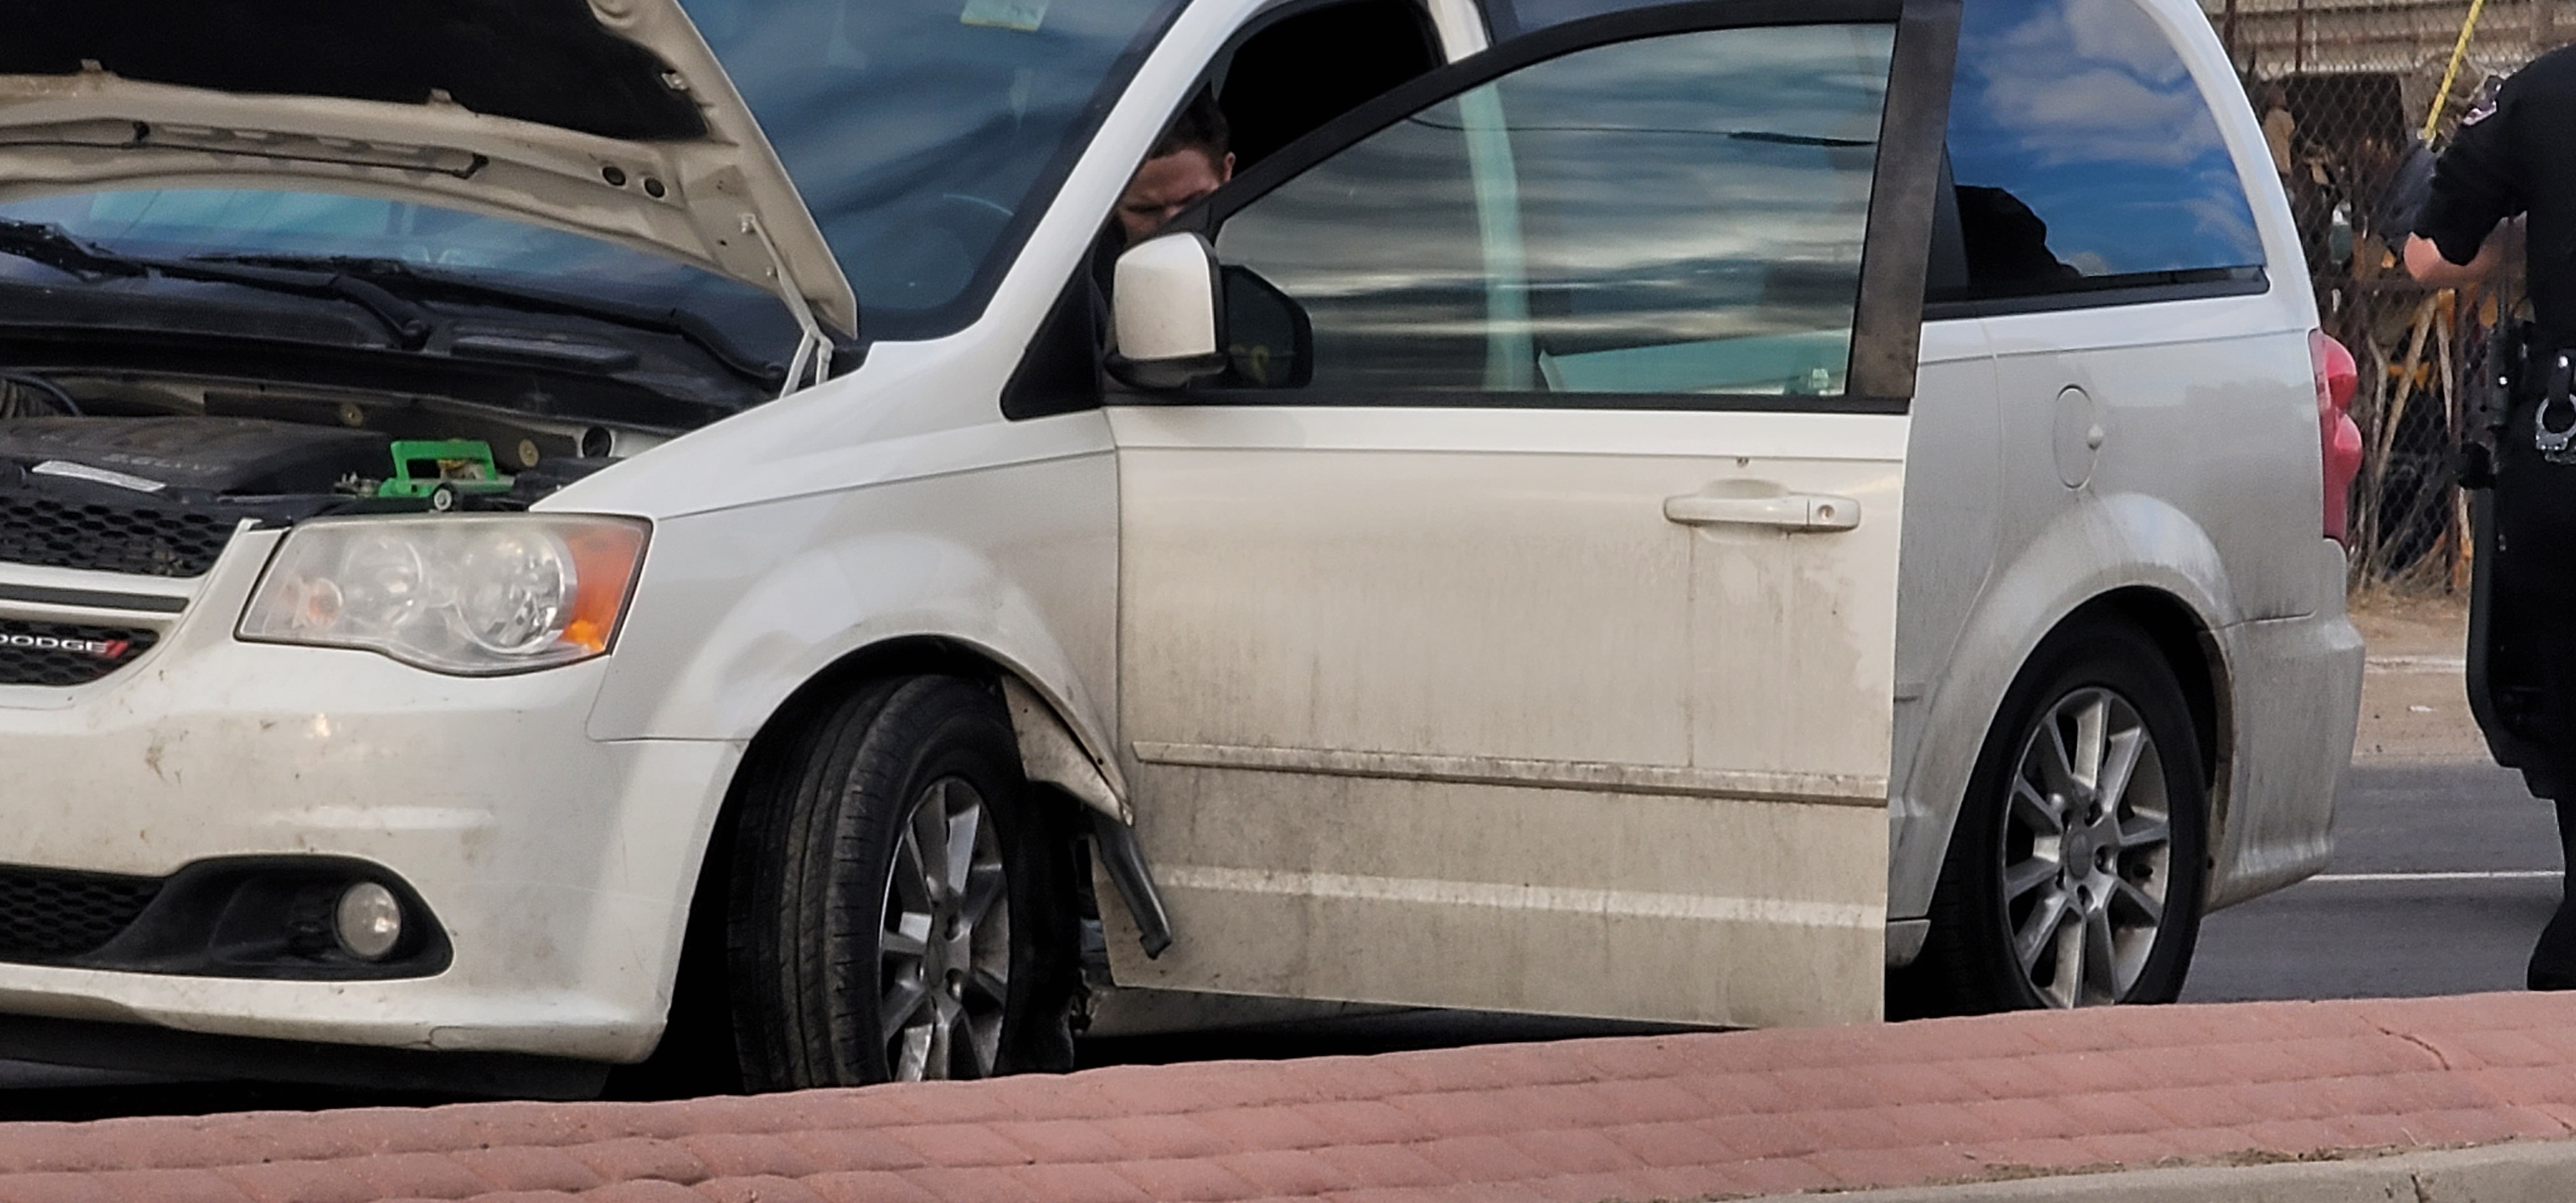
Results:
<point x="1887" y="329"/>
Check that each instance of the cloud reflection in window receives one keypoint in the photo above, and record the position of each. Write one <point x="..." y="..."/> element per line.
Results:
<point x="2081" y="112"/>
<point x="1677" y="214"/>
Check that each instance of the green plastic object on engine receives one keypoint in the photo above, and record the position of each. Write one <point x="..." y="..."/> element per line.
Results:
<point x="439" y="470"/>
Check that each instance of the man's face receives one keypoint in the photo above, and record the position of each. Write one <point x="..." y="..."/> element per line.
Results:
<point x="1167" y="185"/>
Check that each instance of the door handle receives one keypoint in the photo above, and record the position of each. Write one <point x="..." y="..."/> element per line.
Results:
<point x="1792" y="512"/>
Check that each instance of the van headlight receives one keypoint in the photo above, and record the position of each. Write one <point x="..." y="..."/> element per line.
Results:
<point x="467" y="594"/>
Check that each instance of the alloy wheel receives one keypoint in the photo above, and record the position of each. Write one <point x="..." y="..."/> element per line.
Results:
<point x="944" y="957"/>
<point x="2088" y="837"/>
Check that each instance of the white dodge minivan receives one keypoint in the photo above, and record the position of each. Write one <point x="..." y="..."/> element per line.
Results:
<point x="532" y="533"/>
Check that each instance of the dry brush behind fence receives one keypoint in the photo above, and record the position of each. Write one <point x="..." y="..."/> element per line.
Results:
<point x="2343" y="89"/>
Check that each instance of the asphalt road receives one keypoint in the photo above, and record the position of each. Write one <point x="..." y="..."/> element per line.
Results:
<point x="2442" y="875"/>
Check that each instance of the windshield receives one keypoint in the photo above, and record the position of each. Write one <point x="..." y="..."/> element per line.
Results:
<point x="186" y="223"/>
<point x="927" y="135"/>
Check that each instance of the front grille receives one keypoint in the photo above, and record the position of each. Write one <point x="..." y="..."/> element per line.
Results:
<point x="137" y="540"/>
<point x="63" y="654"/>
<point x="46" y="915"/>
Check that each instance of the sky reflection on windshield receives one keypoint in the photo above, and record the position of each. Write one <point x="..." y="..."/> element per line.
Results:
<point x="918" y="129"/>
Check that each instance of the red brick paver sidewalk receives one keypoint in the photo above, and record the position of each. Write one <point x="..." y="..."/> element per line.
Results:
<point x="1655" y="1117"/>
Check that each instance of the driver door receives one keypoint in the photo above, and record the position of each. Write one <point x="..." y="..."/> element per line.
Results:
<point x="1511" y="626"/>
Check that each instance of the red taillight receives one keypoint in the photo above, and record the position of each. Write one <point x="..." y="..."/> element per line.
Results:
<point x="2338" y="440"/>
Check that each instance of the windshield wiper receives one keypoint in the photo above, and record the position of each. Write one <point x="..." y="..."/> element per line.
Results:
<point x="715" y="340"/>
<point x="47" y="244"/>
<point x="363" y="281"/>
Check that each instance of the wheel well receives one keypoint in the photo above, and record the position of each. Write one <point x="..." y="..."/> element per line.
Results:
<point x="1949" y="969"/>
<point x="696" y="1055"/>
<point x="2191" y="651"/>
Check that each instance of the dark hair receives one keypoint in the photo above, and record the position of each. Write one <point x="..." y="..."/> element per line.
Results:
<point x="1200" y="127"/>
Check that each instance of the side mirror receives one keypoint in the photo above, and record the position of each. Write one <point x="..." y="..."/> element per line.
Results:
<point x="1270" y="343"/>
<point x="1166" y="306"/>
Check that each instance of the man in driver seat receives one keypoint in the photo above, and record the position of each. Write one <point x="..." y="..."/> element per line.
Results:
<point x="1189" y="162"/>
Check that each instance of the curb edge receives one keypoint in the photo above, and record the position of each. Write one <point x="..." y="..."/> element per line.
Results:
<point x="2512" y="1172"/>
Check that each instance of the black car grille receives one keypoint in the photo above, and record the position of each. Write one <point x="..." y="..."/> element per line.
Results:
<point x="137" y="540"/>
<point x="47" y="915"/>
<point x="64" y="654"/>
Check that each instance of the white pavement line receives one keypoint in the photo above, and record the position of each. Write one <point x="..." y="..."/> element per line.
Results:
<point x="2416" y="664"/>
<point x="2448" y="875"/>
<point x="2520" y="1172"/>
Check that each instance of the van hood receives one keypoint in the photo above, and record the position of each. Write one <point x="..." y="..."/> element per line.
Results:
<point x="609" y="118"/>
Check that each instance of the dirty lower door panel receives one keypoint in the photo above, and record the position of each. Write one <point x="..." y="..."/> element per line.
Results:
<point x="1402" y="736"/>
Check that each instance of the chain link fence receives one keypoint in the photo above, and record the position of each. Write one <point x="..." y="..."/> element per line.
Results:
<point x="2344" y="89"/>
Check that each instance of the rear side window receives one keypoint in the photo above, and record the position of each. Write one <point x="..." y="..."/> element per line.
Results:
<point x="2085" y="157"/>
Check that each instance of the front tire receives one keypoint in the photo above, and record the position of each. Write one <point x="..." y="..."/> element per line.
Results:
<point x="2076" y="874"/>
<point x="899" y="905"/>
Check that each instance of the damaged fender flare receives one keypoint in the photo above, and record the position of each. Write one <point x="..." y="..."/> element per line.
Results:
<point x="1050" y="753"/>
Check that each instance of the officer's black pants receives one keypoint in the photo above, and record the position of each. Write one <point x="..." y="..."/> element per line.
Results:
<point x="2534" y="609"/>
<point x="2553" y="959"/>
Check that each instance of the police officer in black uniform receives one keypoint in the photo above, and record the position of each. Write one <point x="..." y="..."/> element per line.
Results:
<point x="2518" y="157"/>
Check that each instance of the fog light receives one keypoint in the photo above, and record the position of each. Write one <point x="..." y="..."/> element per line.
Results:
<point x="369" y="921"/>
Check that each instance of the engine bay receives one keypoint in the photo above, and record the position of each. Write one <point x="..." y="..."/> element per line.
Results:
<point x="299" y="450"/>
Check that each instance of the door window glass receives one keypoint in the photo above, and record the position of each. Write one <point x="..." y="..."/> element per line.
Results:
<point x="2085" y="155"/>
<point x="1680" y="214"/>
<point x="1512" y="17"/>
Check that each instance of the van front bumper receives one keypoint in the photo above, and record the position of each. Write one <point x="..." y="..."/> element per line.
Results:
<point x="557" y="867"/>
